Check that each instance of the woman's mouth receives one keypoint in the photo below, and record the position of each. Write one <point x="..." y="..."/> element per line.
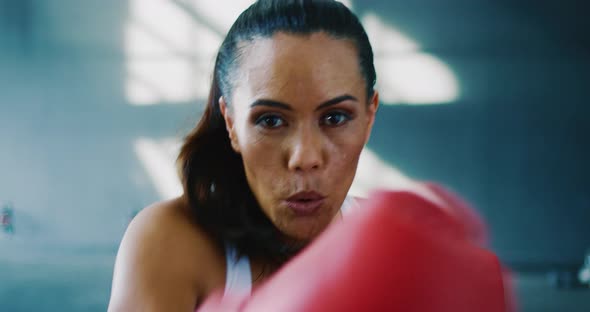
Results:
<point x="305" y="203"/>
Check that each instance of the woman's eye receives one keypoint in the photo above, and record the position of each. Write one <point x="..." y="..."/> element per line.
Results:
<point x="335" y="119"/>
<point x="270" y="121"/>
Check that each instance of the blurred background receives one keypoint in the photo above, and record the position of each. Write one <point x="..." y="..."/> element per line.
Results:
<point x="489" y="98"/>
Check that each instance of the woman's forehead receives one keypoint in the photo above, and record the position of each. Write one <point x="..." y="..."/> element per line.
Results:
<point x="287" y="65"/>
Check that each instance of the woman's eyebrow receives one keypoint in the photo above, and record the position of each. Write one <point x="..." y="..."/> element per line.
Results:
<point x="271" y="103"/>
<point x="277" y="104"/>
<point x="336" y="100"/>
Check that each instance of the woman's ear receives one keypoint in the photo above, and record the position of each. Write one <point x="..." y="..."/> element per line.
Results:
<point x="229" y="124"/>
<point x="371" y="111"/>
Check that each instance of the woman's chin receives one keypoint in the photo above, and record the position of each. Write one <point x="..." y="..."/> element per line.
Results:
<point x="303" y="228"/>
<point x="304" y="232"/>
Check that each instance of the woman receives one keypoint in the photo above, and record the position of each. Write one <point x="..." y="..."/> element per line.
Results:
<point x="269" y="165"/>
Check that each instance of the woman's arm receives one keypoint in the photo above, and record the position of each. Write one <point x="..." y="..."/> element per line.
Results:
<point x="161" y="264"/>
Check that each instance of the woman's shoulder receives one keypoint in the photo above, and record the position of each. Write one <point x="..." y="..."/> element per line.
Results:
<point x="170" y="225"/>
<point x="166" y="258"/>
<point x="166" y="218"/>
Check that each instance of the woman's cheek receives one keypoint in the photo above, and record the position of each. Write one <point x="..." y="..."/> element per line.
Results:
<point x="346" y="155"/>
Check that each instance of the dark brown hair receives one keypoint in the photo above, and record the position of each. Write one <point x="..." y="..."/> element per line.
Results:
<point x="212" y="174"/>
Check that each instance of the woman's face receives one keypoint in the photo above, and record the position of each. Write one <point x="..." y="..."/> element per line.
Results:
<point x="299" y="116"/>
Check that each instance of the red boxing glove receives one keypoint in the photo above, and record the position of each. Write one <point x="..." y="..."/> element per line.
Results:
<point x="472" y="223"/>
<point x="399" y="252"/>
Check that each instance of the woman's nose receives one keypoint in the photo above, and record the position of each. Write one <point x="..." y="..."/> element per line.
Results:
<point x="306" y="151"/>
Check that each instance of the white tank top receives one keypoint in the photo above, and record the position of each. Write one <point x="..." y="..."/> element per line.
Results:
<point x="238" y="278"/>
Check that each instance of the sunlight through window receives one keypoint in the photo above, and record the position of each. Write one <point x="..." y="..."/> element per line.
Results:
<point x="158" y="159"/>
<point x="404" y="74"/>
<point x="170" y="53"/>
<point x="416" y="78"/>
<point x="171" y="45"/>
